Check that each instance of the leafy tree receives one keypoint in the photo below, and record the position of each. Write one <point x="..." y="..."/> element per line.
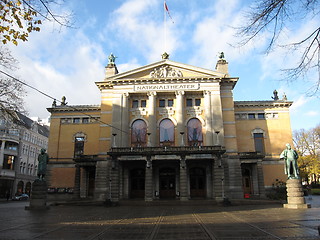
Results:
<point x="275" y="16"/>
<point x="18" y="18"/>
<point x="307" y="143"/>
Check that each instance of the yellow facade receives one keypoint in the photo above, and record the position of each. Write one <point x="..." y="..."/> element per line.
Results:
<point x="168" y="130"/>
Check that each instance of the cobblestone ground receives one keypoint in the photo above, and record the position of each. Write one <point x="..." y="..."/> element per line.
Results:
<point x="160" y="222"/>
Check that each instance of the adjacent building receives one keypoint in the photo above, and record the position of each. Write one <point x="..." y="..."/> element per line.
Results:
<point x="168" y="130"/>
<point x="21" y="140"/>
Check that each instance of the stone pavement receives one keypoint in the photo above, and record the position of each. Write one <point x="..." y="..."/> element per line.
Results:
<point x="160" y="222"/>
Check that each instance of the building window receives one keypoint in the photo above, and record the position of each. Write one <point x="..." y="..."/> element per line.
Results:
<point x="258" y="142"/>
<point x="195" y="137"/>
<point x="189" y="102"/>
<point x="170" y="102"/>
<point x="197" y="102"/>
<point x="143" y="103"/>
<point x="251" y="116"/>
<point x="138" y="133"/>
<point x="76" y="120"/>
<point x="166" y="133"/>
<point x="135" y="103"/>
<point x="162" y="103"/>
<point x="261" y="116"/>
<point x="85" y="120"/>
<point x="78" y="146"/>
<point x="8" y="162"/>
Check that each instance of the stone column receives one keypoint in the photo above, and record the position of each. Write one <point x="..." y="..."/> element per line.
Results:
<point x="208" y="115"/>
<point x="125" y="121"/>
<point x="183" y="179"/>
<point x="295" y="195"/>
<point x="217" y="119"/>
<point x="148" y="180"/>
<point x="262" y="191"/>
<point x="116" y="117"/>
<point x="76" y="191"/>
<point x="180" y="115"/>
<point x="152" y="129"/>
<point x="101" y="183"/>
<point x="2" y="153"/>
<point x="218" y="184"/>
<point x="114" y="181"/>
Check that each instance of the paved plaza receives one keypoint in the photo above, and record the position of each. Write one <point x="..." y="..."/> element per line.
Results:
<point x="166" y="222"/>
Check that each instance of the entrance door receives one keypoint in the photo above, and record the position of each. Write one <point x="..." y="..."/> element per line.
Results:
<point x="137" y="183"/>
<point x="197" y="183"/>
<point x="91" y="177"/>
<point x="167" y="187"/>
<point x="246" y="181"/>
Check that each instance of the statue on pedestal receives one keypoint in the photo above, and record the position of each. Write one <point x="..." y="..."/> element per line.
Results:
<point x="290" y="157"/>
<point x="43" y="159"/>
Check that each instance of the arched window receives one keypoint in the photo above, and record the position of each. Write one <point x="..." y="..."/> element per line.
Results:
<point x="138" y="133"/>
<point x="166" y="132"/>
<point x="195" y="137"/>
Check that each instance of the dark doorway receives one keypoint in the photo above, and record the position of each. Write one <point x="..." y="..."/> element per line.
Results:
<point x="246" y="180"/>
<point x="137" y="183"/>
<point x="167" y="183"/>
<point x="91" y="176"/>
<point x="197" y="182"/>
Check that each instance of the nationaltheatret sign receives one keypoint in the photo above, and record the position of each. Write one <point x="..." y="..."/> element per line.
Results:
<point x="166" y="87"/>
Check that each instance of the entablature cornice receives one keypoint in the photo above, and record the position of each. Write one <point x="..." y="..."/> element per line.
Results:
<point x="278" y="103"/>
<point x="134" y="81"/>
<point x="75" y="108"/>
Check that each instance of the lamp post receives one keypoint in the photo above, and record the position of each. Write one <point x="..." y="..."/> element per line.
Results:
<point x="114" y="140"/>
<point x="149" y="140"/>
<point x="182" y="138"/>
<point x="217" y="140"/>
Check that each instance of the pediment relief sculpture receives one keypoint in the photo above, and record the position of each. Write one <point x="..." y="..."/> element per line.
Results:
<point x="164" y="72"/>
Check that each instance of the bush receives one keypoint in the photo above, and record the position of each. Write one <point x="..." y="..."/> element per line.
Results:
<point x="278" y="191"/>
<point x="315" y="191"/>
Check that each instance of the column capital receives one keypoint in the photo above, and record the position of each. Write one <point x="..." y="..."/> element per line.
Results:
<point x="207" y="92"/>
<point x="151" y="94"/>
<point x="126" y="94"/>
<point x="179" y="93"/>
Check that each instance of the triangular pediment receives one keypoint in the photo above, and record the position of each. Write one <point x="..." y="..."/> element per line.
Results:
<point x="167" y="69"/>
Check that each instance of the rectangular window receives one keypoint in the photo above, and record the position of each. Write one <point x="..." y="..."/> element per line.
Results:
<point x="76" y="120"/>
<point x="198" y="102"/>
<point x="189" y="102"/>
<point x="143" y="103"/>
<point x="251" y="116"/>
<point x="162" y="103"/>
<point x="170" y="102"/>
<point x="261" y="116"/>
<point x="85" y="120"/>
<point x="78" y="146"/>
<point x="259" y="142"/>
<point x="135" y="103"/>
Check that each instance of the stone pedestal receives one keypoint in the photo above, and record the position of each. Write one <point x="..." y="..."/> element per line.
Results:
<point x="295" y="195"/>
<point x="38" y="200"/>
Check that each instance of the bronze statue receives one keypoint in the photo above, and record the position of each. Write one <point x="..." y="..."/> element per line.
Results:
<point x="43" y="159"/>
<point x="111" y="59"/>
<point x="290" y="157"/>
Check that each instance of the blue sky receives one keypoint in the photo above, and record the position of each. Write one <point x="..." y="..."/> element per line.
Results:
<point x="67" y="61"/>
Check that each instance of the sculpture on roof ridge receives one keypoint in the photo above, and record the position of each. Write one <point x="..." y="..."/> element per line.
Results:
<point x="221" y="55"/>
<point x="275" y="95"/>
<point x="111" y="59"/>
<point x="165" y="55"/>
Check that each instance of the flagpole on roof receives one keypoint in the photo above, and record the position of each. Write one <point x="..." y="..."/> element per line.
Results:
<point x="165" y="25"/>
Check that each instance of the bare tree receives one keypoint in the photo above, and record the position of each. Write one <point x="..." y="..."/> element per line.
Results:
<point x="11" y="91"/>
<point x="18" y="18"/>
<point x="276" y="15"/>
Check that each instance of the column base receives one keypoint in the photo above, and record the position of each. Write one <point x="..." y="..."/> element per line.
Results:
<point x="297" y="206"/>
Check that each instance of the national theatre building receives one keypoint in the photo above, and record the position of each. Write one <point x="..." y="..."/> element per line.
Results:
<point x="168" y="130"/>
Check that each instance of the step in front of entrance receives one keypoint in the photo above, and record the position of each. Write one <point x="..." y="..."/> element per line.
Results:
<point x="167" y="202"/>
